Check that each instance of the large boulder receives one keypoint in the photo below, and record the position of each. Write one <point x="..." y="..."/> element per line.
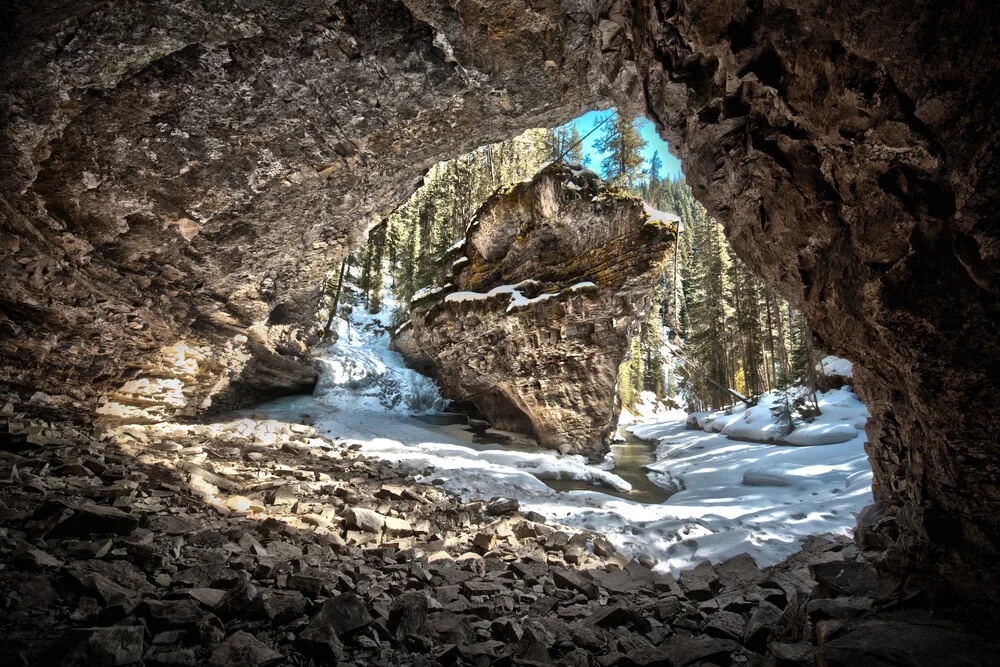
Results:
<point x="541" y="302"/>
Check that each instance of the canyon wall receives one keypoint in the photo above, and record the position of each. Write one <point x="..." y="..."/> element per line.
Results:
<point x="178" y="177"/>
<point x="539" y="304"/>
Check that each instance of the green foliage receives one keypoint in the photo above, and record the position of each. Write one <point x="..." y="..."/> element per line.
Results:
<point x="734" y="332"/>
<point x="563" y="142"/>
<point x="630" y="376"/>
<point x="621" y="140"/>
<point x="437" y="215"/>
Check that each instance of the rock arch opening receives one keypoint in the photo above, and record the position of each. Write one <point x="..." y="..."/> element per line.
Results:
<point x="177" y="178"/>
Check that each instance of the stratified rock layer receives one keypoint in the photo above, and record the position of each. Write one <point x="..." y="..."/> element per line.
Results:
<point x="542" y="300"/>
<point x="182" y="174"/>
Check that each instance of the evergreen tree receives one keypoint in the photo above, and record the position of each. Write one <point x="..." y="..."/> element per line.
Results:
<point x="732" y="331"/>
<point x="655" y="165"/>
<point x="621" y="140"/>
<point x="575" y="153"/>
<point x="630" y="376"/>
<point x="651" y="344"/>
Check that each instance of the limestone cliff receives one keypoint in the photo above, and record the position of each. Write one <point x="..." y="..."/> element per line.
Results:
<point x="545" y="293"/>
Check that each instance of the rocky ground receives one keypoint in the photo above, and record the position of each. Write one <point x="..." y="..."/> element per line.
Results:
<point x="254" y="542"/>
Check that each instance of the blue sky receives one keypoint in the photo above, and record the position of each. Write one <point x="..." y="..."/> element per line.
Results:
<point x="586" y="122"/>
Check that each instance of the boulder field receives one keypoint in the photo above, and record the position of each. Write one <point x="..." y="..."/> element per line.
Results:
<point x="260" y="543"/>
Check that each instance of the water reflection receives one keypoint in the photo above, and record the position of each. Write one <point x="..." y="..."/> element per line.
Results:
<point x="630" y="456"/>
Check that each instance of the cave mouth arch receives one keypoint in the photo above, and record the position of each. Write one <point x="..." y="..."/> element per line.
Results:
<point x="172" y="184"/>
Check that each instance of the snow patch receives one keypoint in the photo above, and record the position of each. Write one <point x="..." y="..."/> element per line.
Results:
<point x="732" y="497"/>
<point x="658" y="216"/>
<point x="836" y="366"/>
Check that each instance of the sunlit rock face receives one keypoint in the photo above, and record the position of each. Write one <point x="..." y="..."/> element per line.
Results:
<point x="185" y="173"/>
<point x="538" y="307"/>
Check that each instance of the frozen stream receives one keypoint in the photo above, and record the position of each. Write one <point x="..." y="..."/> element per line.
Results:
<point x="679" y="495"/>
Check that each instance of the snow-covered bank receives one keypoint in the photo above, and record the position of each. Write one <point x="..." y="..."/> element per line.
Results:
<point x="760" y="498"/>
<point x="842" y="416"/>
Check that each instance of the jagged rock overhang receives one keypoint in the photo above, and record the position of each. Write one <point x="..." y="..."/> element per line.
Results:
<point x="848" y="151"/>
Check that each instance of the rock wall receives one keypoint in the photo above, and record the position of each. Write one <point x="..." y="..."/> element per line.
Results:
<point x="538" y="307"/>
<point x="178" y="176"/>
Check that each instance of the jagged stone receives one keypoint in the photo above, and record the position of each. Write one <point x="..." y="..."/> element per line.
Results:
<point x="209" y="597"/>
<point x="108" y="647"/>
<point x="759" y="627"/>
<point x="678" y="651"/>
<point x="603" y="548"/>
<point x="450" y="628"/>
<point x="34" y="559"/>
<point x="700" y="583"/>
<point x="801" y="654"/>
<point x="236" y="599"/>
<point x="397" y="527"/>
<point x="571" y="580"/>
<point x="726" y="625"/>
<point x="366" y="520"/>
<point x="408" y="615"/>
<point x="208" y="576"/>
<point x="922" y="643"/>
<point x="854" y="577"/>
<point x="341" y="615"/>
<point x="165" y="614"/>
<point x="614" y="616"/>
<point x="838" y="608"/>
<point x="184" y="657"/>
<point x="738" y="572"/>
<point x="241" y="649"/>
<point x="503" y="507"/>
<point x="87" y="519"/>
<point x="278" y="605"/>
<point x="560" y="272"/>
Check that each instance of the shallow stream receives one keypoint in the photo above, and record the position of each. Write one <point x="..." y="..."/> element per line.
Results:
<point x="630" y="454"/>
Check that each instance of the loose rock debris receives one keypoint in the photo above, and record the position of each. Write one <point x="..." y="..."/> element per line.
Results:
<point x="258" y="543"/>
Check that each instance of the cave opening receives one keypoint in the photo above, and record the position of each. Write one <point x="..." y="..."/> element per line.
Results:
<point x="703" y="334"/>
<point x="177" y="178"/>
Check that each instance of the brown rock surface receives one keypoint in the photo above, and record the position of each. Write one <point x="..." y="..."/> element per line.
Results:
<point x="178" y="176"/>
<point x="229" y="590"/>
<point x="540" y="306"/>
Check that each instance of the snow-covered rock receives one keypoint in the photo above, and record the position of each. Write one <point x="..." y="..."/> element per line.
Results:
<point x="542" y="313"/>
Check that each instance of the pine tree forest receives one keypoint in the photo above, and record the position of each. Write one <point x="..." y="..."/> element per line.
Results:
<point x="716" y="333"/>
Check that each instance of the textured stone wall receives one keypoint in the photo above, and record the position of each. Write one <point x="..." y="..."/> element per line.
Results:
<point x="177" y="176"/>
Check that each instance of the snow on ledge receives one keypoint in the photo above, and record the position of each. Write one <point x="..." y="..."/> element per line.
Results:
<point x="836" y="366"/>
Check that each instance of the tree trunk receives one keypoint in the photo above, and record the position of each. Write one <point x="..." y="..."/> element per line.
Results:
<point x="336" y="299"/>
<point x="773" y="379"/>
